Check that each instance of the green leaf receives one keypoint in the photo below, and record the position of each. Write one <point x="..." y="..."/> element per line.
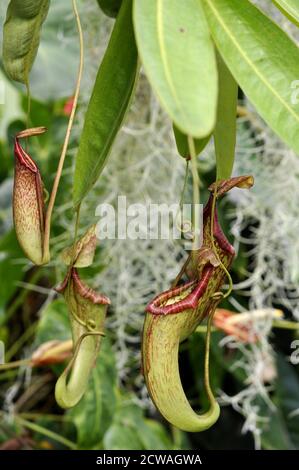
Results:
<point x="263" y="60"/>
<point x="10" y="271"/>
<point x="290" y="8"/>
<point x="119" y="437"/>
<point x="182" y="143"/>
<point x="55" y="69"/>
<point x="109" y="101"/>
<point x="288" y="396"/>
<point x="226" y="124"/>
<point x="282" y="430"/>
<point x="21" y="36"/>
<point x="110" y="7"/>
<point x="275" y="434"/>
<point x="178" y="56"/>
<point x="140" y="434"/>
<point x="54" y="323"/>
<point x="94" y="413"/>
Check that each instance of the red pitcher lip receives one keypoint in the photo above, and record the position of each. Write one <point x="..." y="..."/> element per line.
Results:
<point x="24" y="159"/>
<point x="85" y="291"/>
<point x="156" y="306"/>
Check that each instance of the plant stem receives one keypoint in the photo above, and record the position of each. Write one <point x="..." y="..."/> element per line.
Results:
<point x="286" y="325"/>
<point x="229" y="278"/>
<point x="15" y="364"/>
<point x="283" y="324"/>
<point x="46" y="432"/>
<point x="196" y="194"/>
<point x="20" y="299"/>
<point x="20" y="341"/>
<point x="207" y="360"/>
<point x="46" y="253"/>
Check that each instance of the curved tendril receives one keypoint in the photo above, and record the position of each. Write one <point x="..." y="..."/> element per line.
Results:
<point x="68" y="394"/>
<point x="230" y="281"/>
<point x="180" y="223"/>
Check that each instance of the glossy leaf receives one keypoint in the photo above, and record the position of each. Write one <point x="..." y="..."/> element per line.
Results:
<point x="140" y="433"/>
<point x="10" y="271"/>
<point x="54" y="323"/>
<point x="110" y="7"/>
<point x="178" y="56"/>
<point x="21" y="36"/>
<point x="182" y="143"/>
<point x="290" y="8"/>
<point x="282" y="431"/>
<point x="265" y="69"/>
<point x="226" y="125"/>
<point x="108" y="104"/>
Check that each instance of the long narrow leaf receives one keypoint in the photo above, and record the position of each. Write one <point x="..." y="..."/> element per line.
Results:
<point x="178" y="56"/>
<point x="108" y="104"/>
<point x="21" y="36"/>
<point x="226" y="125"/>
<point x="263" y="60"/>
<point x="182" y="144"/>
<point x="290" y="8"/>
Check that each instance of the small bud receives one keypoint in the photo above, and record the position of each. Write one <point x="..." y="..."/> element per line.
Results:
<point x="28" y="203"/>
<point x="52" y="352"/>
<point x="82" y="255"/>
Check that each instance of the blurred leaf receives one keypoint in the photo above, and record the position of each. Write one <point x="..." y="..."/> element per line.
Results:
<point x="263" y="60"/>
<point x="21" y="36"/>
<point x="140" y="433"/>
<point x="54" y="323"/>
<point x="288" y="396"/>
<point x="182" y="143"/>
<point x="120" y="438"/>
<point x="12" y="108"/>
<point x="282" y="431"/>
<point x="178" y="56"/>
<point x="108" y="104"/>
<point x="155" y="436"/>
<point x="10" y="271"/>
<point x="290" y="8"/>
<point x="55" y="69"/>
<point x="94" y="413"/>
<point x="110" y="7"/>
<point x="226" y="124"/>
<point x="275" y="434"/>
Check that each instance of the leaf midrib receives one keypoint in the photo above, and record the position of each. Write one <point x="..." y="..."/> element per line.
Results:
<point x="247" y="59"/>
<point x="290" y="9"/>
<point x="164" y="56"/>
